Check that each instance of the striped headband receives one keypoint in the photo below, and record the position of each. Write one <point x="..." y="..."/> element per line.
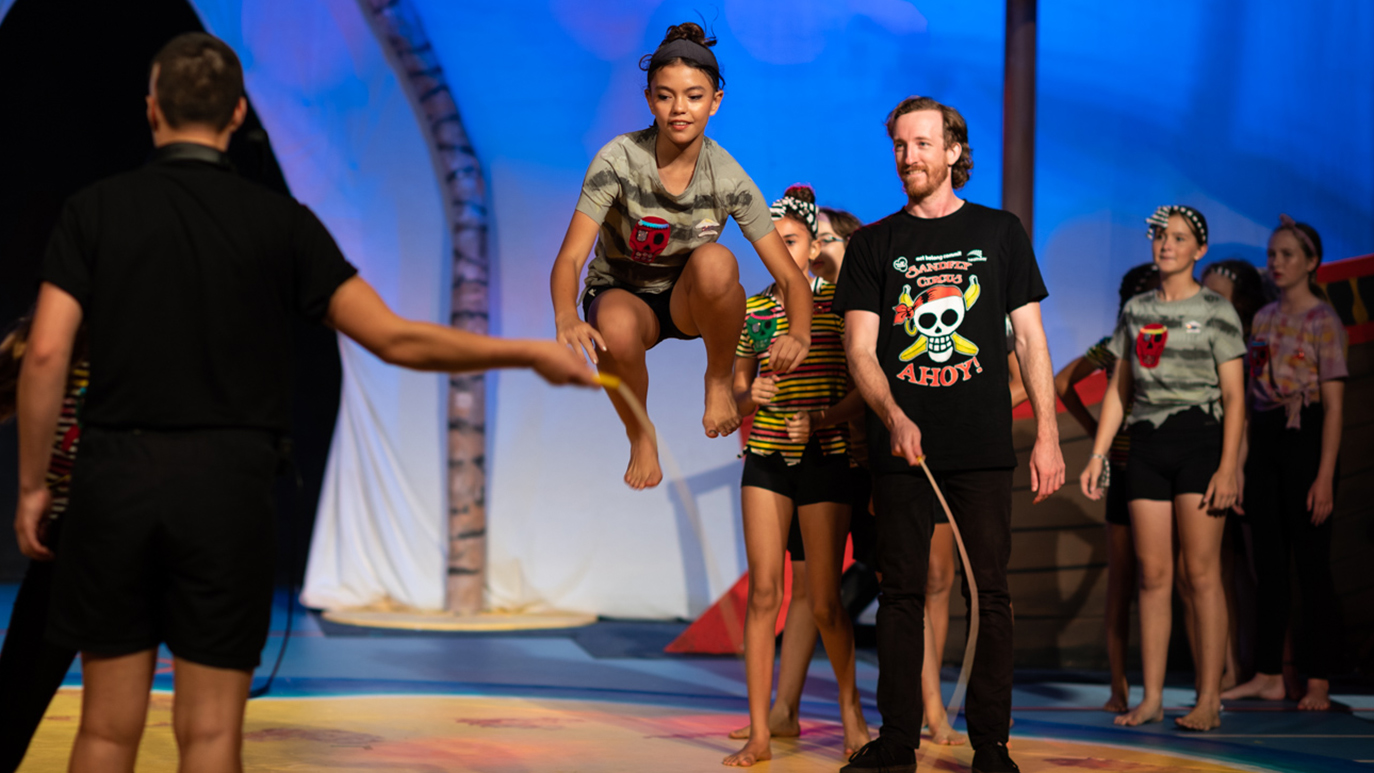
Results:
<point x="802" y="210"/>
<point x="1287" y="223"/>
<point x="1160" y="220"/>
<point x="1221" y="271"/>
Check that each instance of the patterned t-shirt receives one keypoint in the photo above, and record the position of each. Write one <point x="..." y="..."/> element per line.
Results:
<point x="59" y="477"/>
<point x="818" y="383"/>
<point x="647" y="233"/>
<point x="1175" y="348"/>
<point x="1291" y="354"/>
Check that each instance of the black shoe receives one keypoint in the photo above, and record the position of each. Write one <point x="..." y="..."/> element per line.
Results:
<point x="993" y="758"/>
<point x="881" y="756"/>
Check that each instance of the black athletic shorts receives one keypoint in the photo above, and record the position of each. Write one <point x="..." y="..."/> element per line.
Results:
<point x="659" y="303"/>
<point x="169" y="537"/>
<point x="816" y="478"/>
<point x="1119" y="496"/>
<point x="860" y="519"/>
<point x="1179" y="457"/>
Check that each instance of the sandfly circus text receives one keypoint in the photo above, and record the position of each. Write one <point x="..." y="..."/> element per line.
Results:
<point x="949" y="375"/>
<point x="917" y="271"/>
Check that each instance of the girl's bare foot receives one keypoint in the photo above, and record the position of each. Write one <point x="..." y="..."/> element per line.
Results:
<point x="779" y="726"/>
<point x="754" y="751"/>
<point x="722" y="413"/>
<point x="1267" y="687"/>
<point x="1148" y="711"/>
<point x="643" y="471"/>
<point x="1204" y="716"/>
<point x="855" y="729"/>
<point x="942" y="734"/>
<point x="1318" y="697"/>
<point x="1118" y="702"/>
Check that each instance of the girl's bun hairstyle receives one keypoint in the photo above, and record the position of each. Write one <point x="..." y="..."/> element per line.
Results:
<point x="801" y="192"/>
<point x="694" y="50"/>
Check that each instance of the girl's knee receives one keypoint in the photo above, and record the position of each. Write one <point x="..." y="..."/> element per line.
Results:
<point x="714" y="269"/>
<point x="764" y="596"/>
<point x="1153" y="578"/>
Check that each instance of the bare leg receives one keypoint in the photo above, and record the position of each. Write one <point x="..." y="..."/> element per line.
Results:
<point x="766" y="518"/>
<point x="1230" y="537"/>
<point x="630" y="329"/>
<point x="207" y="717"/>
<point x="1185" y="596"/>
<point x="1152" y="529"/>
<point x="1199" y="537"/>
<point x="824" y="526"/>
<point x="939" y="580"/>
<point x="798" y="645"/>
<point x="114" y="709"/>
<point x="709" y="301"/>
<point x="1121" y="574"/>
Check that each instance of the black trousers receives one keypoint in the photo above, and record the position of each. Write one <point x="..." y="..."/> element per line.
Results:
<point x="905" y="504"/>
<point x="31" y="669"/>
<point x="1279" y="471"/>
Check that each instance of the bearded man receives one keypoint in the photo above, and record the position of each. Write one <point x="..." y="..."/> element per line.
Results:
<point x="924" y="293"/>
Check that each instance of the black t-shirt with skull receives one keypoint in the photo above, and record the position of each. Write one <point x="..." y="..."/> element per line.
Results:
<point x="941" y="288"/>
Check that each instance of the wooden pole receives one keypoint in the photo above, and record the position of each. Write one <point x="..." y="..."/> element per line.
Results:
<point x="1018" y="113"/>
<point x="398" y="28"/>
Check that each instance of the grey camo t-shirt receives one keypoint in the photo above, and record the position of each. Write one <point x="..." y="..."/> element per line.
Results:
<point x="647" y="233"/>
<point x="1174" y="349"/>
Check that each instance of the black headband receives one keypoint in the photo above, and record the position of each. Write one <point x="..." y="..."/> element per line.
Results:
<point x="682" y="48"/>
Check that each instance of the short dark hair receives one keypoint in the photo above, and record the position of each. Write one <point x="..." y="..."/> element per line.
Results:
<point x="199" y="81"/>
<point x="956" y="133"/>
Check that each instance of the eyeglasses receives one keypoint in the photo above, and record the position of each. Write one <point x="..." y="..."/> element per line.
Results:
<point x="831" y="239"/>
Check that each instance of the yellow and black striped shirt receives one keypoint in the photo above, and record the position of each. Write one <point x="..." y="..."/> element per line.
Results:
<point x="818" y="383"/>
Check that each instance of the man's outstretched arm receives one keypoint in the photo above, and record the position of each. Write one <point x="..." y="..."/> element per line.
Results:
<point x="1046" y="461"/>
<point x="359" y="313"/>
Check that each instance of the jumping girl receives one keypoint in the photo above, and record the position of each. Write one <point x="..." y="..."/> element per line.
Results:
<point x="796" y="458"/>
<point x="1297" y="388"/>
<point x="653" y="203"/>
<point x="1178" y="353"/>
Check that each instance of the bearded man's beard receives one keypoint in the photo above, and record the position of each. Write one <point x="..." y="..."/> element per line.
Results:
<point x="934" y="178"/>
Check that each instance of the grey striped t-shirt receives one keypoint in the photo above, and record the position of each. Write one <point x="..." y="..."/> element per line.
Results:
<point x="647" y="233"/>
<point x="1175" y="348"/>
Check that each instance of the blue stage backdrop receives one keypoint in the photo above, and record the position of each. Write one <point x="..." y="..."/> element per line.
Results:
<point x="1243" y="109"/>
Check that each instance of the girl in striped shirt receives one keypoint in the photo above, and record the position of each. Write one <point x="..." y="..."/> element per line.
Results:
<point x="796" y="457"/>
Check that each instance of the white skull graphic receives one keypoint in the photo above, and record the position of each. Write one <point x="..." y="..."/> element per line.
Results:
<point x="937" y="320"/>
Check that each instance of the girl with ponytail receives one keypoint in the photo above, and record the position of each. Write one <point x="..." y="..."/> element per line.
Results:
<point x="1297" y="387"/>
<point x="654" y="203"/>
<point x="796" y="459"/>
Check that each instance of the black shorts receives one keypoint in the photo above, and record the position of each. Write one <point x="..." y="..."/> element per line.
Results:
<point x="1118" y="496"/>
<point x="816" y="478"/>
<point x="170" y="537"/>
<point x="659" y="303"/>
<point x="860" y="519"/>
<point x="1180" y="457"/>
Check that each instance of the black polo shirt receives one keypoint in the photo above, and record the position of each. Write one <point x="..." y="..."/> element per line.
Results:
<point x="188" y="277"/>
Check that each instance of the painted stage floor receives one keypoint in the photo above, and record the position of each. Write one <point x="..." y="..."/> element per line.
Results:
<point x="605" y="698"/>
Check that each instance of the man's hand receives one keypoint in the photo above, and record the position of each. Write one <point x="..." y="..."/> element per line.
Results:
<point x="1046" y="469"/>
<point x="558" y="365"/>
<point x="762" y="390"/>
<point x="799" y="427"/>
<point x="1320" y="499"/>
<point x="576" y="334"/>
<point x="787" y="352"/>
<point x="906" y="440"/>
<point x="28" y="517"/>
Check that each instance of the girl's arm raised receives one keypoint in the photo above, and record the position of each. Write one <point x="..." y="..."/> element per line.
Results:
<point x="788" y="351"/>
<point x="573" y="332"/>
<point x="1064" y="383"/>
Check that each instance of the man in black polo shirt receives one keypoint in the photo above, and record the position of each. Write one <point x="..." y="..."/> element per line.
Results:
<point x="186" y="277"/>
<point x="924" y="292"/>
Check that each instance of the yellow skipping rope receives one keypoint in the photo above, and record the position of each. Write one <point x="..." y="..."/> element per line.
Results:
<point x="684" y="493"/>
